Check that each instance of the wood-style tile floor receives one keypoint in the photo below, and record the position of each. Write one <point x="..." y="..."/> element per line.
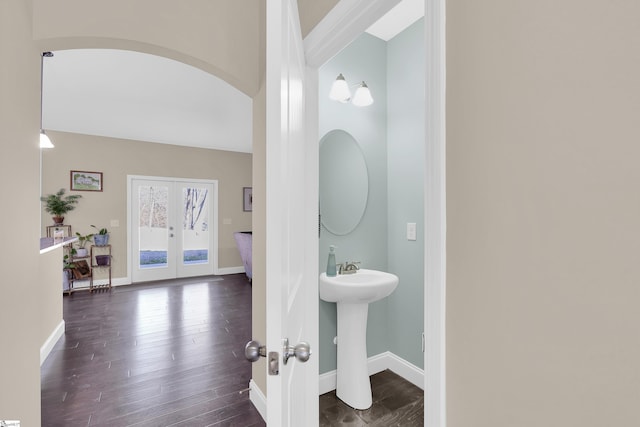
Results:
<point x="396" y="402"/>
<point x="158" y="354"/>
<point x="171" y="354"/>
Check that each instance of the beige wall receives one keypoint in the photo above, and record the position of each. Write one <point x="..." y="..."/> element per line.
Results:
<point x="117" y="158"/>
<point x="259" y="295"/>
<point x="312" y="12"/>
<point x="49" y="291"/>
<point x="259" y="220"/>
<point x="543" y="275"/>
<point x="19" y="182"/>
<point x="221" y="36"/>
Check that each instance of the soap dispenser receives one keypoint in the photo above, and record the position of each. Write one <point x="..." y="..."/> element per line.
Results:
<point x="331" y="262"/>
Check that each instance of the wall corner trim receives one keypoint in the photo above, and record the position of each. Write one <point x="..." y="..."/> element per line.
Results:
<point x="342" y="25"/>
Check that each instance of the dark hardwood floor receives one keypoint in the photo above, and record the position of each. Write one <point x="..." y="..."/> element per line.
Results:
<point x="158" y="354"/>
<point x="172" y="354"/>
<point x="396" y="402"/>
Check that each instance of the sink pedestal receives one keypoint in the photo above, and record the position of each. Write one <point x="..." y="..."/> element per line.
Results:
<point x="352" y="294"/>
<point x="353" y="386"/>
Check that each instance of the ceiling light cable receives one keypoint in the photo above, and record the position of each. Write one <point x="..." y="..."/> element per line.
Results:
<point x="45" y="142"/>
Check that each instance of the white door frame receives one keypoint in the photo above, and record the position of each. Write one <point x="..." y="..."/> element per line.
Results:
<point x="343" y="24"/>
<point x="214" y="226"/>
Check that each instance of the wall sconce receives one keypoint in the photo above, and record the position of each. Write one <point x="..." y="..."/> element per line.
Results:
<point x="340" y="92"/>
<point x="45" y="142"/>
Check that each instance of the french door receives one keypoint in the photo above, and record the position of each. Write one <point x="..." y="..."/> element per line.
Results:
<point x="172" y="232"/>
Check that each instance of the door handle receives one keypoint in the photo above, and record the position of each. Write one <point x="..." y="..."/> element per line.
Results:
<point x="301" y="351"/>
<point x="253" y="351"/>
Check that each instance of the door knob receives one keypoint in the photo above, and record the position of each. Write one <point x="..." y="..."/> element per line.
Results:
<point x="253" y="351"/>
<point x="301" y="351"/>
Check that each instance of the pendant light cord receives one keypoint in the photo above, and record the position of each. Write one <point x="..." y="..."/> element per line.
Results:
<point x="48" y="55"/>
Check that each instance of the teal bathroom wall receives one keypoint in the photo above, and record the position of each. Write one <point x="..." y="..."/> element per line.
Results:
<point x="405" y="170"/>
<point x="391" y="135"/>
<point x="364" y="59"/>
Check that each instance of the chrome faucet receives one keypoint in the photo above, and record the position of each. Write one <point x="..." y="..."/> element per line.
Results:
<point x="349" y="267"/>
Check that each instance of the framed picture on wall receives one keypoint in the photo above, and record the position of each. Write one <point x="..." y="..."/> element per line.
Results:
<point x="86" y="181"/>
<point x="247" y="199"/>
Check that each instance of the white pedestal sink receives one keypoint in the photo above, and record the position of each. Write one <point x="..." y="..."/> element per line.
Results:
<point x="353" y="293"/>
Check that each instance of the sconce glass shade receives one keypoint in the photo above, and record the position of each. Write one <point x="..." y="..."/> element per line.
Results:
<point x="45" y="142"/>
<point x="362" y="97"/>
<point x="340" y="90"/>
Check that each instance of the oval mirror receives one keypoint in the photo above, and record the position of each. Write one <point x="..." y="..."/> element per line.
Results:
<point x="344" y="182"/>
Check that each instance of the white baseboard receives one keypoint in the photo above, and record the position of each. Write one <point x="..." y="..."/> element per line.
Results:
<point x="51" y="341"/>
<point x="327" y="382"/>
<point x="258" y="399"/>
<point x="117" y="281"/>
<point x="120" y="281"/>
<point x="123" y="281"/>
<point x="406" y="370"/>
<point x="379" y="363"/>
<point x="229" y="270"/>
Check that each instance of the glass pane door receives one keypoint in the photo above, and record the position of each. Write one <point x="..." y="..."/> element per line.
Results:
<point x="153" y="239"/>
<point x="197" y="236"/>
<point x="173" y="228"/>
<point x="153" y="226"/>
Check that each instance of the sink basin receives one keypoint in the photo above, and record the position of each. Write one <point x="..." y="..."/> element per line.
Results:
<point x="352" y="294"/>
<point x="363" y="286"/>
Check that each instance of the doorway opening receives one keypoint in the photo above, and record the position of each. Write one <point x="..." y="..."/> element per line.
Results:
<point x="327" y="39"/>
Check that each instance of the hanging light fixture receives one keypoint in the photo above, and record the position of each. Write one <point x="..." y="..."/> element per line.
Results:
<point x="363" y="97"/>
<point x="45" y="142"/>
<point x="340" y="92"/>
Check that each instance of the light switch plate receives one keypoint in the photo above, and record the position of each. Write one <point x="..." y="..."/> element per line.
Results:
<point x="411" y="231"/>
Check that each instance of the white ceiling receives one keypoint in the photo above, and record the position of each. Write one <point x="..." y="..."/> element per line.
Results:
<point x="131" y="95"/>
<point x="397" y="19"/>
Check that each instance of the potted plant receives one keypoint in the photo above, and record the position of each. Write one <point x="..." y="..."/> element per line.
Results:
<point x="58" y="205"/>
<point x="67" y="269"/>
<point x="102" y="237"/>
<point x="103" y="260"/>
<point x="67" y="260"/>
<point x="82" y="250"/>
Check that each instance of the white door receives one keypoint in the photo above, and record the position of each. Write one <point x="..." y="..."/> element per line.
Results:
<point x="172" y="228"/>
<point x="292" y="201"/>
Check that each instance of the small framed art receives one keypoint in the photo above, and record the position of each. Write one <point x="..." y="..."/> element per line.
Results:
<point x="247" y="199"/>
<point x="86" y="181"/>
